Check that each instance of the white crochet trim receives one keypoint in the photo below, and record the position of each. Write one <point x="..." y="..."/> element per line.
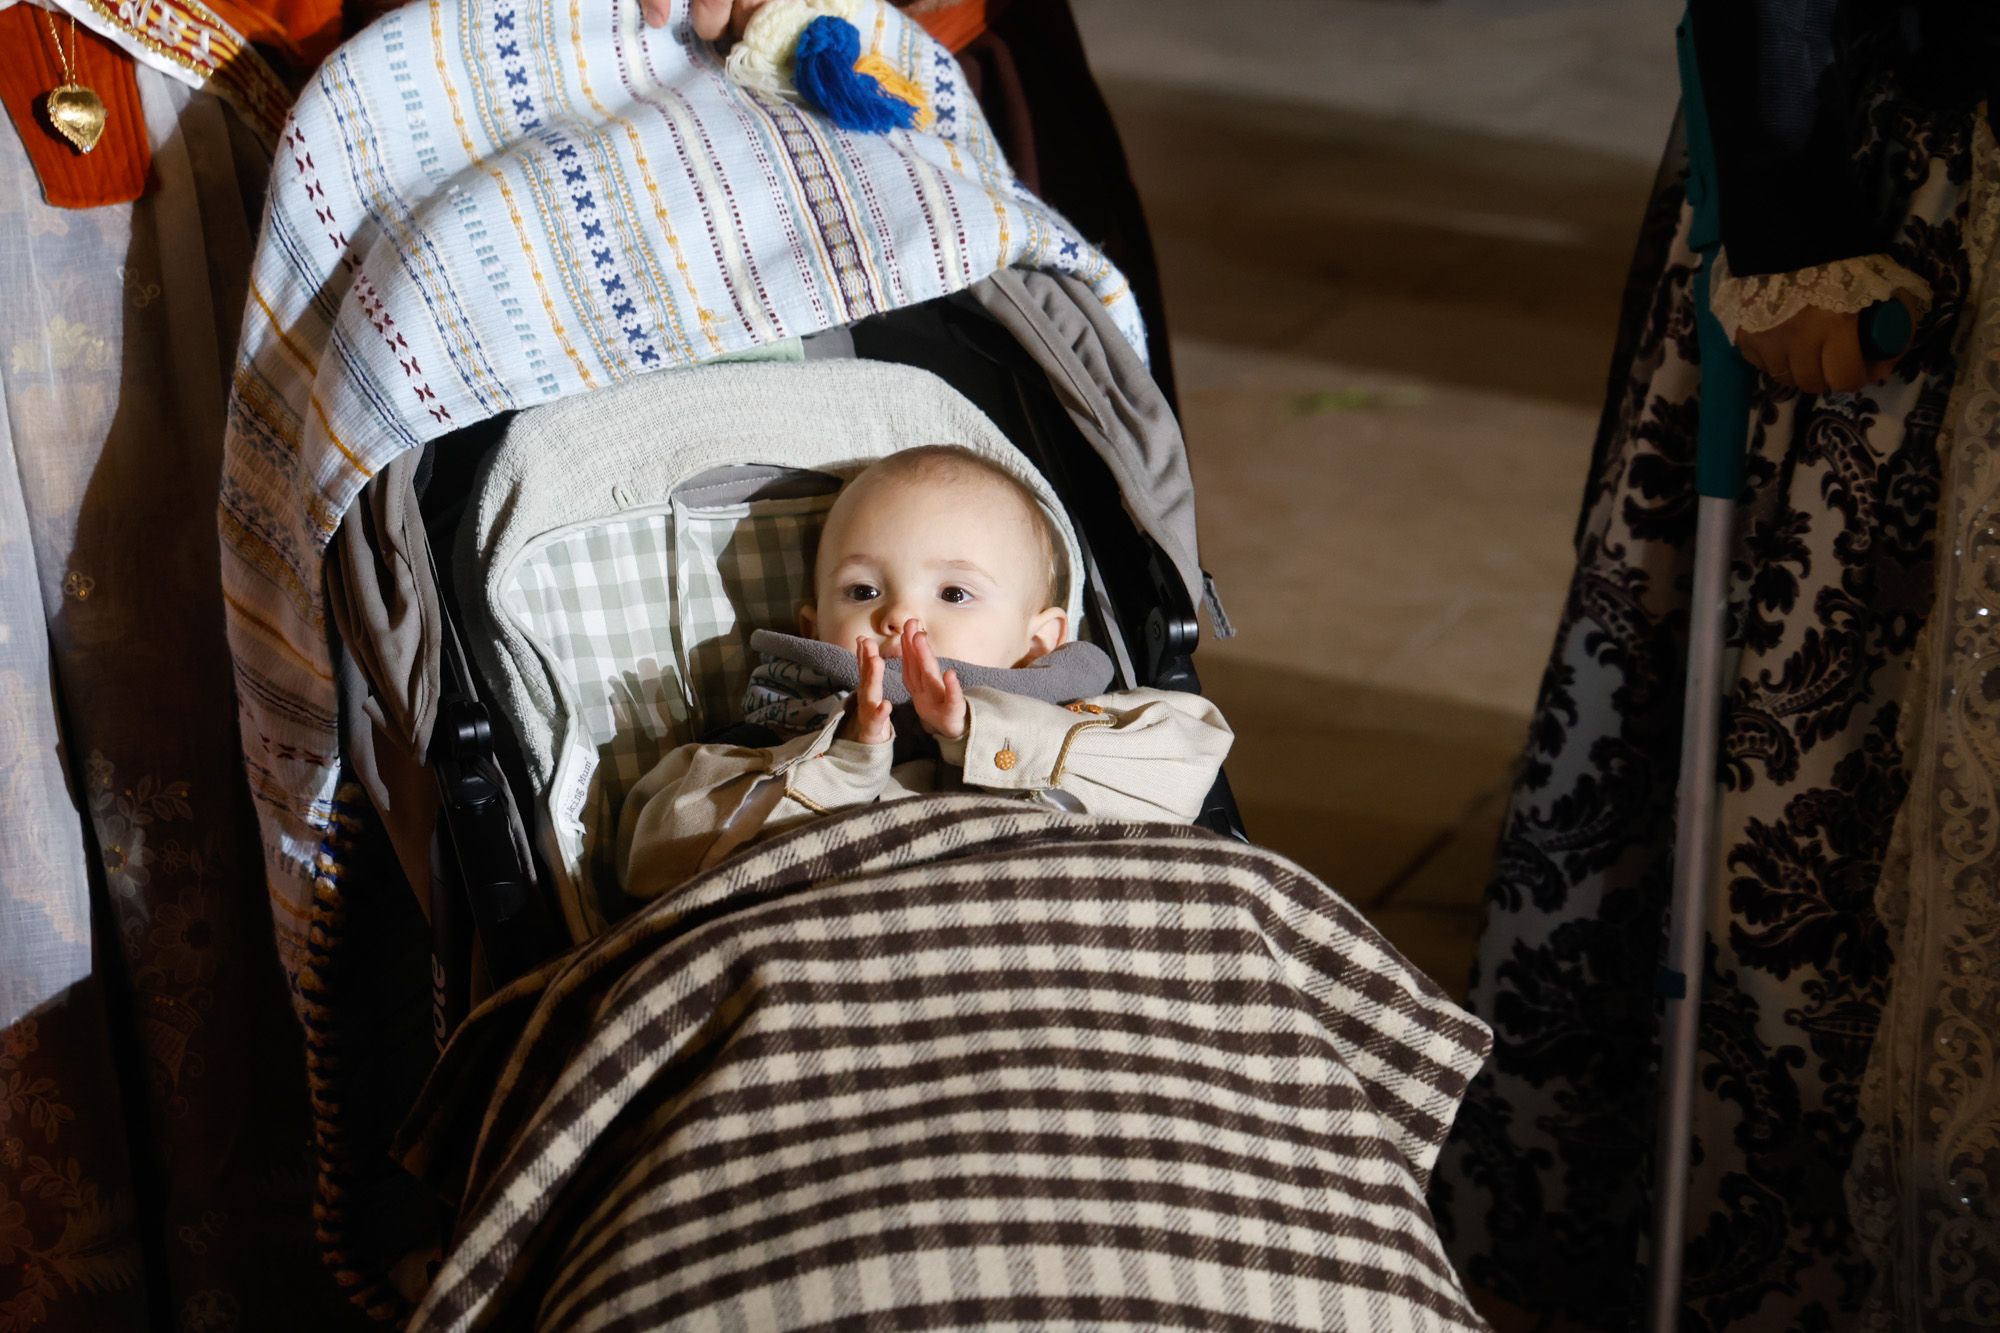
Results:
<point x="762" y="58"/>
<point x="1846" y="286"/>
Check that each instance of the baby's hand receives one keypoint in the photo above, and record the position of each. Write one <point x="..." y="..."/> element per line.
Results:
<point x="867" y="714"/>
<point x="940" y="704"/>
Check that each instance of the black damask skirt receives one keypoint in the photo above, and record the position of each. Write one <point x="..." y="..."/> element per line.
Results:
<point x="1542" y="1192"/>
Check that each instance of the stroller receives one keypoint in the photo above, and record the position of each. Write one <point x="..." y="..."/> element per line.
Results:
<point x="951" y="1061"/>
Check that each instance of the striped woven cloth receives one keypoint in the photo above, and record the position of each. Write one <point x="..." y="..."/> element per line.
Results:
<point x="956" y="1062"/>
<point x="482" y="205"/>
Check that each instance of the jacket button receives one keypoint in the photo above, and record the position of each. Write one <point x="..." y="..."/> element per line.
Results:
<point x="1005" y="760"/>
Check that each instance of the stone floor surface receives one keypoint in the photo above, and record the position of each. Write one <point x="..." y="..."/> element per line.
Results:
<point x="1391" y="320"/>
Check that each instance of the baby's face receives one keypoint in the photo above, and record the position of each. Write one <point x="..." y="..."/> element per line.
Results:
<point x="959" y="554"/>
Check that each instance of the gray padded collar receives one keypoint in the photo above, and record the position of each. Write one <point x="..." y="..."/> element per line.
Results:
<point x="1076" y="670"/>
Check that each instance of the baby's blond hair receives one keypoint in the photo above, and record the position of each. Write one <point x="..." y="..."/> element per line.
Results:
<point x="947" y="462"/>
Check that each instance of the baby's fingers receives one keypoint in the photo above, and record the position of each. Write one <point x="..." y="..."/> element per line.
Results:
<point x="943" y="709"/>
<point x="871" y="722"/>
<point x="919" y="662"/>
<point x="932" y="669"/>
<point x="870" y="657"/>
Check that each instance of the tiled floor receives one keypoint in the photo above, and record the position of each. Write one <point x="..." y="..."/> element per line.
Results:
<point x="1391" y="339"/>
<point x="1595" y="74"/>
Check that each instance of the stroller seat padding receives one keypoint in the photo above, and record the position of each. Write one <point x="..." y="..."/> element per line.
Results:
<point x="621" y="547"/>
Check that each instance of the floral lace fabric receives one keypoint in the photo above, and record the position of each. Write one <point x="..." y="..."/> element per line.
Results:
<point x="1754" y="304"/>
<point x="1921" y="1191"/>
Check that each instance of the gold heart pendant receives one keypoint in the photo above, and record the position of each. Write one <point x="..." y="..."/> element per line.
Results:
<point x="77" y="115"/>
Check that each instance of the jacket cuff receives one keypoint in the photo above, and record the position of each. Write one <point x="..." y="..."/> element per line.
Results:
<point x="1014" y="743"/>
<point x="824" y="772"/>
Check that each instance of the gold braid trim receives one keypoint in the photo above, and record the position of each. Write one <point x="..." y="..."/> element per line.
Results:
<point x="195" y="40"/>
<point x="321" y="980"/>
<point x="1062" y="755"/>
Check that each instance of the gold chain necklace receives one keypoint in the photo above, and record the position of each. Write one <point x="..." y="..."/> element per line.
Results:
<point x="74" y="111"/>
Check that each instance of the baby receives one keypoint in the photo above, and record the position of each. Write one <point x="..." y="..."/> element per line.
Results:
<point x="931" y="556"/>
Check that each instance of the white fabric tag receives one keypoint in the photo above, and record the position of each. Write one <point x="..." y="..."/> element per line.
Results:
<point x="570" y="793"/>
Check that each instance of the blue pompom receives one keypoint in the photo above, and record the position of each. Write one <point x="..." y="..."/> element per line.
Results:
<point x="823" y="71"/>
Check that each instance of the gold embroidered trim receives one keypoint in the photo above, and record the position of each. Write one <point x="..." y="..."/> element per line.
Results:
<point x="1062" y="755"/>
<point x="791" y="794"/>
<point x="202" y="45"/>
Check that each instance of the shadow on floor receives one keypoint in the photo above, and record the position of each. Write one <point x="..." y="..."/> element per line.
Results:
<point x="1393" y="799"/>
<point x="1363" y="241"/>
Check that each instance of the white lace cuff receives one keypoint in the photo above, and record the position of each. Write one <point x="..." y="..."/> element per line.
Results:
<point x="1846" y="286"/>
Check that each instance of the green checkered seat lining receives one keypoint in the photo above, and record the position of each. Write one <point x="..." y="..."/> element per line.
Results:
<point x="647" y="619"/>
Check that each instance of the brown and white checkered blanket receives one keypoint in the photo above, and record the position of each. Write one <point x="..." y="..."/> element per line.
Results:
<point x="957" y="1062"/>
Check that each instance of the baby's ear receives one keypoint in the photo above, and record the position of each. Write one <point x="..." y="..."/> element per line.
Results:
<point x="808" y="621"/>
<point x="1046" y="633"/>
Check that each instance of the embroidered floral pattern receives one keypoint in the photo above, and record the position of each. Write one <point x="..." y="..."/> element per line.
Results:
<point x="58" y="1234"/>
<point x="75" y="1240"/>
<point x="64" y="344"/>
<point x="122" y="817"/>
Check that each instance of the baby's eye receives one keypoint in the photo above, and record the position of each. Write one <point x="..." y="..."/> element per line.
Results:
<point x="861" y="592"/>
<point x="954" y="594"/>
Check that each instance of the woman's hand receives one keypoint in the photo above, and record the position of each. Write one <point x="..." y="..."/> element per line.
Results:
<point x="867" y="714"/>
<point x="1815" y="351"/>
<point x="711" y="18"/>
<point x="935" y="694"/>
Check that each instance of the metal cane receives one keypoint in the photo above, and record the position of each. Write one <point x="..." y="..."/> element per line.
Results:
<point x="1726" y="382"/>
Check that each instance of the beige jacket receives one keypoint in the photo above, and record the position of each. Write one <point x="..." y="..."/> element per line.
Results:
<point x="1139" y="754"/>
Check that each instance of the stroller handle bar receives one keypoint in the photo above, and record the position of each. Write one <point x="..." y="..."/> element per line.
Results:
<point x="1886" y="329"/>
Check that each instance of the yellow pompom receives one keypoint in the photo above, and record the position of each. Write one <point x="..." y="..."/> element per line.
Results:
<point x="893" y="83"/>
